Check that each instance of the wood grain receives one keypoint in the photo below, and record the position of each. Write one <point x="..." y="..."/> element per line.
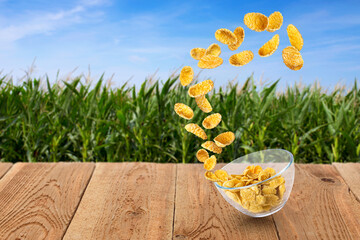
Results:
<point x="350" y="172"/>
<point x="4" y="167"/>
<point x="320" y="206"/>
<point x="38" y="200"/>
<point x="126" y="201"/>
<point x="202" y="213"/>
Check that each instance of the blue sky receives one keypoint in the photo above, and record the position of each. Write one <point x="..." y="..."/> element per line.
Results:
<point x="134" y="39"/>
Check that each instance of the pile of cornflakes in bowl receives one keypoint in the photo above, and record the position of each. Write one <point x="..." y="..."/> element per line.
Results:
<point x="257" y="184"/>
<point x="257" y="198"/>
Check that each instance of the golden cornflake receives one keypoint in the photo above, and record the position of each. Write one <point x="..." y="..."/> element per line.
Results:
<point x="212" y="121"/>
<point x="266" y="207"/>
<point x="186" y="75"/>
<point x="197" y="130"/>
<point x="292" y="58"/>
<point x="256" y="189"/>
<point x="214" y="50"/>
<point x="197" y="53"/>
<point x="240" y="35"/>
<point x="241" y="58"/>
<point x="252" y="172"/>
<point x="275" y="182"/>
<point x="201" y="88"/>
<point x="268" y="190"/>
<point x="222" y="175"/>
<point x="257" y="169"/>
<point x="281" y="190"/>
<point x="211" y="176"/>
<point x="236" y="176"/>
<point x="275" y="22"/>
<point x="263" y="175"/>
<point x="202" y="155"/>
<point x="233" y="183"/>
<point x="233" y="196"/>
<point x="246" y="180"/>
<point x="224" y="139"/>
<point x="256" y="21"/>
<point x="255" y="208"/>
<point x="271" y="171"/>
<point x="210" y="61"/>
<point x="203" y="104"/>
<point x="240" y="184"/>
<point x="247" y="195"/>
<point x="249" y="168"/>
<point x="245" y="204"/>
<point x="225" y="36"/>
<point x="184" y="111"/>
<point x="251" y="175"/>
<point x="230" y="183"/>
<point x="271" y="199"/>
<point x="295" y="37"/>
<point x="210" y="163"/>
<point x="270" y="47"/>
<point x="260" y="199"/>
<point x="211" y="146"/>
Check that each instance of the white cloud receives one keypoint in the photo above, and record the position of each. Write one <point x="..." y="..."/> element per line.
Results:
<point x="43" y="23"/>
<point x="62" y="14"/>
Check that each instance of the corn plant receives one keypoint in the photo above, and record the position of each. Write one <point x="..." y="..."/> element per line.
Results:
<point x="78" y="121"/>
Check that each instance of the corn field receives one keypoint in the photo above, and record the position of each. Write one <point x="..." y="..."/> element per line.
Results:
<point x="76" y="121"/>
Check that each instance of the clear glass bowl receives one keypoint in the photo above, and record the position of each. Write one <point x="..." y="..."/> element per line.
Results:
<point x="280" y="160"/>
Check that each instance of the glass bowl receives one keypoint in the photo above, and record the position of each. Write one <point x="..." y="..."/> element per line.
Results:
<point x="282" y="162"/>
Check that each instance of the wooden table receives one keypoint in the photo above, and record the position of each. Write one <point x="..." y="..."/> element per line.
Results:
<point x="167" y="201"/>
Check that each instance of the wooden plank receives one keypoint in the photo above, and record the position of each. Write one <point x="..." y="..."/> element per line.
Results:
<point x="350" y="172"/>
<point x="202" y="213"/>
<point x="38" y="200"/>
<point x="320" y="206"/>
<point x="4" y="167"/>
<point x="126" y="201"/>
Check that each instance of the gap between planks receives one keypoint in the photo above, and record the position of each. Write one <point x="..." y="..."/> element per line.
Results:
<point x="350" y="172"/>
<point x="174" y="206"/>
<point x="4" y="168"/>
<point x="78" y="204"/>
<point x="276" y="228"/>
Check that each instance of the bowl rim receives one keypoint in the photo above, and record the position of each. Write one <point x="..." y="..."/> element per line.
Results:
<point x="276" y="175"/>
